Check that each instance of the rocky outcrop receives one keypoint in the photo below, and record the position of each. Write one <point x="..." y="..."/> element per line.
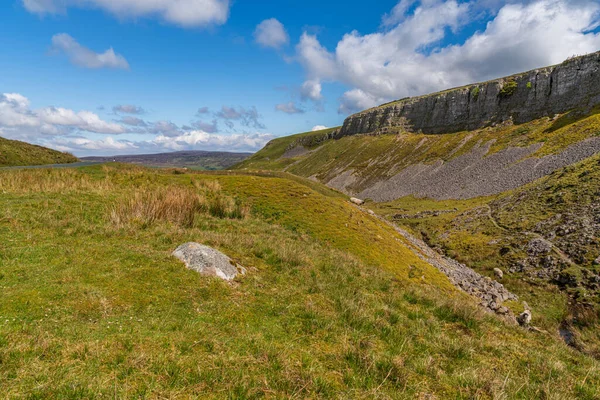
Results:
<point x="207" y="261"/>
<point x="574" y="84"/>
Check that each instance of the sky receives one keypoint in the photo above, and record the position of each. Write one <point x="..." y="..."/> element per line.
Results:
<point x="105" y="77"/>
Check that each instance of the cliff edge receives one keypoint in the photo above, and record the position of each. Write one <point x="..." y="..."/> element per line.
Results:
<point x="574" y="84"/>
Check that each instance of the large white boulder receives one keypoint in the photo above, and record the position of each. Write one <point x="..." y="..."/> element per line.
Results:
<point x="207" y="261"/>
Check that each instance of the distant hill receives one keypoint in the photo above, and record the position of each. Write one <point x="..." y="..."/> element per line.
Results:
<point x="16" y="153"/>
<point x="204" y="160"/>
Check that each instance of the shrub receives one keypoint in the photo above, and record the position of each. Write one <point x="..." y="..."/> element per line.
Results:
<point x="475" y="92"/>
<point x="508" y="89"/>
<point x="529" y="85"/>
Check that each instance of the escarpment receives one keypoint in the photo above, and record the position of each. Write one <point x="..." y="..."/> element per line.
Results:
<point x="574" y="84"/>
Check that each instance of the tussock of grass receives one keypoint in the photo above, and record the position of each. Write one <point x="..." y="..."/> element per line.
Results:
<point x="177" y="205"/>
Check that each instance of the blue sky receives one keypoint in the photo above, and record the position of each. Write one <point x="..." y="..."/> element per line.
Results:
<point x="255" y="70"/>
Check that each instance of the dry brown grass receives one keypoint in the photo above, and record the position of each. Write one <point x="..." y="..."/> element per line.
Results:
<point x="51" y="181"/>
<point x="177" y="205"/>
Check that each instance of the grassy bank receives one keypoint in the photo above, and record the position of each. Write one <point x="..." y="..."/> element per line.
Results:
<point x="15" y="153"/>
<point x="333" y="306"/>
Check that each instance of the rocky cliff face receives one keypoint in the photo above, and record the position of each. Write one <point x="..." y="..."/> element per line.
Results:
<point x="574" y="84"/>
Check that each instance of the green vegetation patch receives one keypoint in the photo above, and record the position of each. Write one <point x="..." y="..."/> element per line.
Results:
<point x="15" y="153"/>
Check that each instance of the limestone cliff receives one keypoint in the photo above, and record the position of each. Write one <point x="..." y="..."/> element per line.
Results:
<point x="574" y="84"/>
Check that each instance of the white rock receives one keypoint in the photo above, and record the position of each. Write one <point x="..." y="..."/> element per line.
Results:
<point x="356" y="201"/>
<point x="207" y="261"/>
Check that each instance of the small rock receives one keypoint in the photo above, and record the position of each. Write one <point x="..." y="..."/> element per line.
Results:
<point x="371" y="212"/>
<point x="498" y="272"/>
<point x="597" y="261"/>
<point x="356" y="201"/>
<point x="539" y="246"/>
<point x="524" y="318"/>
<point x="208" y="261"/>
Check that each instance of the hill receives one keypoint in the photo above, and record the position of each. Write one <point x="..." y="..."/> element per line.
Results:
<point x="16" y="153"/>
<point x="335" y="302"/>
<point x="512" y="187"/>
<point x="203" y="160"/>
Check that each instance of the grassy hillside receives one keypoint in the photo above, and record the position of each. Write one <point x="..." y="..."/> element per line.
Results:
<point x="333" y="305"/>
<point x="496" y="232"/>
<point x="15" y="153"/>
<point x="374" y="158"/>
<point x="561" y="284"/>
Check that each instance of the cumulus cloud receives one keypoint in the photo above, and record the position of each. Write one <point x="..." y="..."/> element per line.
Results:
<point x="128" y="109"/>
<point x="84" y="57"/>
<point x="18" y="120"/>
<point x="133" y="121"/>
<point x="203" y="111"/>
<point x="73" y="144"/>
<point x="407" y="57"/>
<point x="203" y="140"/>
<point x="248" y="117"/>
<point x="211" y="127"/>
<point x="185" y="13"/>
<point x="271" y="33"/>
<point x="289" y="108"/>
<point x="311" y="90"/>
<point x="85" y="133"/>
<point x="318" y="128"/>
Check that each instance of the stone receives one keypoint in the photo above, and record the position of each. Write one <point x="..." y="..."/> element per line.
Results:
<point x="539" y="93"/>
<point x="356" y="201"/>
<point x="597" y="261"/>
<point x="539" y="247"/>
<point x="498" y="273"/>
<point x="208" y="261"/>
<point x="524" y="318"/>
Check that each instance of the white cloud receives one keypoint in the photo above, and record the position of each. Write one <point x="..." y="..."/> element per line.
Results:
<point x="318" y="128"/>
<point x="84" y="57"/>
<point x="406" y="57"/>
<point x="355" y="100"/>
<point x="271" y="33"/>
<point x="185" y="13"/>
<point x="84" y="144"/>
<point x="311" y="90"/>
<point x="203" y="140"/>
<point x="18" y="120"/>
<point x="289" y="108"/>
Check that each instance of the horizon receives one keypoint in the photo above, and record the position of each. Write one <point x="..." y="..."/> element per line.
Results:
<point x="122" y="78"/>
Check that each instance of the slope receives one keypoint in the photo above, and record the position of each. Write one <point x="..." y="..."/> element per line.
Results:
<point x="94" y="305"/>
<point x="16" y="153"/>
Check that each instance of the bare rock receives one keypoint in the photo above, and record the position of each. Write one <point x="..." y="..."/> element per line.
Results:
<point x="356" y="201"/>
<point x="498" y="273"/>
<point x="539" y="247"/>
<point x="597" y="261"/>
<point x="208" y="261"/>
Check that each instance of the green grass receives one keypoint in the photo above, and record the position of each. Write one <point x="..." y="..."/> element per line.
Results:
<point x="15" y="153"/>
<point x="488" y="233"/>
<point x="90" y="309"/>
<point x="372" y="158"/>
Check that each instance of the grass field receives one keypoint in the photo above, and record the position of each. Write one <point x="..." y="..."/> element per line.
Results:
<point x="333" y="305"/>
